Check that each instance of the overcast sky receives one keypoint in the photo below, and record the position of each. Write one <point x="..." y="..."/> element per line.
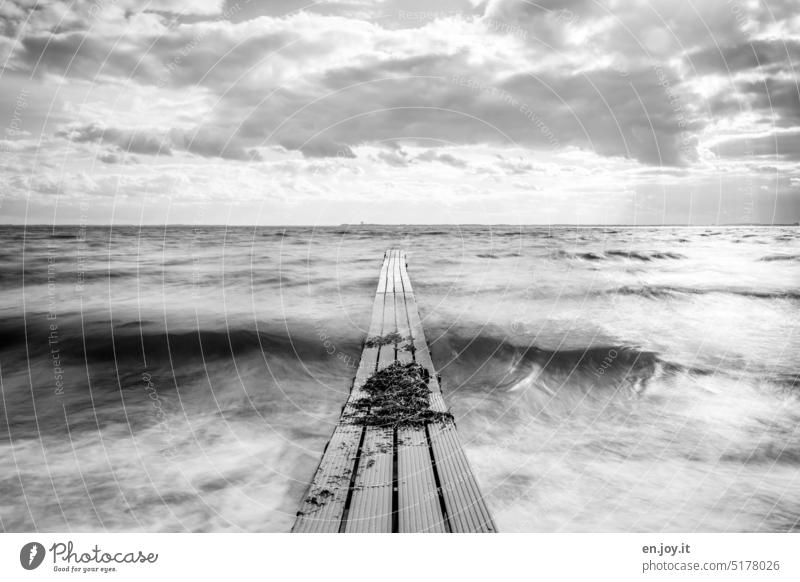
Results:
<point x="447" y="111"/>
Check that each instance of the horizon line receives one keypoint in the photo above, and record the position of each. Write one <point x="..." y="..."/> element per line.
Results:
<point x="446" y="224"/>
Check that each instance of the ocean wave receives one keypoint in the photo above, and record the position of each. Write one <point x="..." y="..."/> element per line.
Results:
<point x="496" y="255"/>
<point x="644" y="256"/>
<point x="177" y="279"/>
<point x="100" y="341"/>
<point x="83" y="339"/>
<point x="133" y="340"/>
<point x="510" y="365"/>
<point x="665" y="291"/>
<point x="770" y="258"/>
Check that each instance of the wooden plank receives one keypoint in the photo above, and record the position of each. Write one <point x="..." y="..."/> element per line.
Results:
<point x="407" y="289"/>
<point x="323" y="505"/>
<point x="376" y="323"/>
<point x="387" y="352"/>
<point x="423" y="355"/>
<point x="384" y="271"/>
<point x="405" y="354"/>
<point x="391" y="258"/>
<point x="371" y="505"/>
<point x="419" y="508"/>
<point x="369" y="356"/>
<point x="466" y="509"/>
<point x="398" y="281"/>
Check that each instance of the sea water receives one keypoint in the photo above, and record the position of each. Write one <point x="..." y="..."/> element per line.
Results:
<point x="602" y="379"/>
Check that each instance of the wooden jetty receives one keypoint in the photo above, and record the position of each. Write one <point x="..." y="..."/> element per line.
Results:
<point x="379" y="479"/>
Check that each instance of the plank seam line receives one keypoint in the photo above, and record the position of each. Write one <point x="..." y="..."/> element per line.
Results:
<point x="437" y="481"/>
<point x="395" y="485"/>
<point x="351" y="487"/>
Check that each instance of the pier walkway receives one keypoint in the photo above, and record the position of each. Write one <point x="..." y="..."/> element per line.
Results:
<point x="389" y="478"/>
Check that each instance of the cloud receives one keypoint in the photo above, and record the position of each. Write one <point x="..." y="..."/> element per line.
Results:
<point x="784" y="145"/>
<point x="515" y="166"/>
<point x="326" y="84"/>
<point x="140" y="141"/>
<point x="204" y="141"/>
<point x="769" y="54"/>
<point x="442" y="158"/>
<point x="198" y="7"/>
<point x="60" y="16"/>
<point x="641" y="115"/>
<point x="777" y="99"/>
<point x="394" y="157"/>
<point x="212" y="142"/>
<point x="67" y="184"/>
<point x="770" y="102"/>
<point x="14" y="146"/>
<point x="390" y="14"/>
<point x="116" y="157"/>
<point x="545" y="22"/>
<point x="398" y="157"/>
<point x="319" y="148"/>
<point x="109" y="157"/>
<point x="642" y="91"/>
<point x="82" y="55"/>
<point x="212" y="53"/>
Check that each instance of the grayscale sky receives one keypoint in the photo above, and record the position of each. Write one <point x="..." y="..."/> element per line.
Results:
<point x="454" y="111"/>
